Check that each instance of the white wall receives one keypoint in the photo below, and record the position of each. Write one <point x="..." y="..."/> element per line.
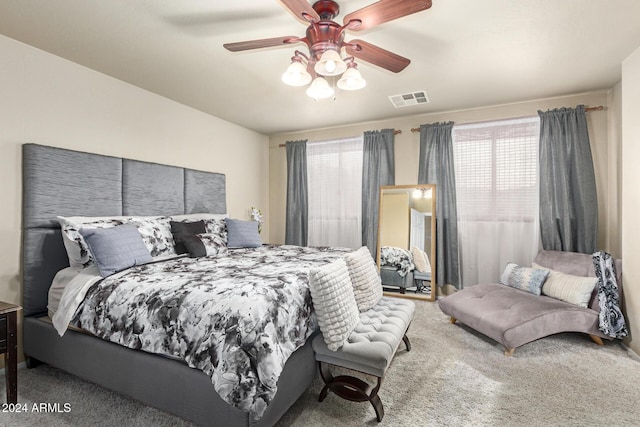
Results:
<point x="47" y="100"/>
<point x="631" y="194"/>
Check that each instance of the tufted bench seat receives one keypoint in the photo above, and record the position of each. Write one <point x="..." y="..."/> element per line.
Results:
<point x="369" y="349"/>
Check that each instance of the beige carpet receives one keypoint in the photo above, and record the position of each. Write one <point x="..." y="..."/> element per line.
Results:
<point x="452" y="377"/>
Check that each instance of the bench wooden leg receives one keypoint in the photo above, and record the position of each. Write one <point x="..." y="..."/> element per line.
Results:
<point x="405" y="338"/>
<point x="351" y="388"/>
<point x="452" y="320"/>
<point x="509" y="351"/>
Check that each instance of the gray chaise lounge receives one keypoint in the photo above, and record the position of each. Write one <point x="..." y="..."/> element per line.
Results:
<point x="514" y="317"/>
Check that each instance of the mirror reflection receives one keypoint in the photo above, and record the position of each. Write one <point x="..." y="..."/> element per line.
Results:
<point x="406" y="240"/>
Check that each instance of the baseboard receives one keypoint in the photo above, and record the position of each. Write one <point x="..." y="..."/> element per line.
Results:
<point x="632" y="353"/>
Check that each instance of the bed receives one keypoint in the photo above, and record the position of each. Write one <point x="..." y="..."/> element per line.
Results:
<point x="71" y="183"/>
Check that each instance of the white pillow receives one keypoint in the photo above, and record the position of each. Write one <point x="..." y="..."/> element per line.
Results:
<point x="334" y="303"/>
<point x="421" y="260"/>
<point x="572" y="289"/>
<point x="367" y="287"/>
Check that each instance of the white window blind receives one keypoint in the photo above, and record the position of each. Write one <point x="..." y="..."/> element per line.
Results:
<point x="496" y="172"/>
<point x="334" y="180"/>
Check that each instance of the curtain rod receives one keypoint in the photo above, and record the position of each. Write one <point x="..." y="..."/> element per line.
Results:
<point x="395" y="132"/>
<point x="598" y="108"/>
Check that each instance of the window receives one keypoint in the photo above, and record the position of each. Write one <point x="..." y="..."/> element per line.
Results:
<point x="334" y="179"/>
<point x="496" y="172"/>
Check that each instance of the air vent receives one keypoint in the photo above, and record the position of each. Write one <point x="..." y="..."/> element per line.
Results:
<point x="409" y="99"/>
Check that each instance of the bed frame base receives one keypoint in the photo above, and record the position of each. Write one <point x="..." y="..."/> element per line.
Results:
<point x="182" y="391"/>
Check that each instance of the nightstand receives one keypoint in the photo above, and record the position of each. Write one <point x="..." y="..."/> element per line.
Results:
<point x="9" y="346"/>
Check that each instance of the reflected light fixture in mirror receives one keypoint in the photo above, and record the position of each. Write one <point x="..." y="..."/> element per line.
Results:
<point x="422" y="193"/>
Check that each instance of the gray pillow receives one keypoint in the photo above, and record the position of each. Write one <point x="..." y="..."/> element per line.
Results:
<point x="524" y="278"/>
<point x="242" y="234"/>
<point x="116" y="248"/>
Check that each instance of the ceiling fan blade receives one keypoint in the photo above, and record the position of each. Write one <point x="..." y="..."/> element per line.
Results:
<point x="258" y="44"/>
<point x="384" y="11"/>
<point x="377" y="56"/>
<point x="302" y="10"/>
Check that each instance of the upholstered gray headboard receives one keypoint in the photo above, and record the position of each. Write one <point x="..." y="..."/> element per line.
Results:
<point x="72" y="183"/>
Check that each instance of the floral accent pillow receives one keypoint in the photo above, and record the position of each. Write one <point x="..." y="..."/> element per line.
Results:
<point x="206" y="244"/>
<point x="217" y="226"/>
<point x="156" y="234"/>
<point x="523" y="278"/>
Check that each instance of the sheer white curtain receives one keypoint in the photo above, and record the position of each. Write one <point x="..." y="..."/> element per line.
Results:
<point x="496" y="169"/>
<point x="334" y="179"/>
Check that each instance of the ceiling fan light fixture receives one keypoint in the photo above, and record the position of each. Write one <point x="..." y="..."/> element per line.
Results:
<point x="330" y="64"/>
<point x="351" y="79"/>
<point x="325" y="40"/>
<point x="296" y="74"/>
<point x="320" y="89"/>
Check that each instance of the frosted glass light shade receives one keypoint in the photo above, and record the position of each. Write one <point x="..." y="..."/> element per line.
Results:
<point x="330" y="64"/>
<point x="296" y="74"/>
<point x="319" y="89"/>
<point x="351" y="80"/>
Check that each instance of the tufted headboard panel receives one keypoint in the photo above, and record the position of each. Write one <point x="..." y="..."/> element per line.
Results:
<point x="60" y="182"/>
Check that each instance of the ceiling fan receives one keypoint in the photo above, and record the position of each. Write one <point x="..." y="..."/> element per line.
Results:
<point x="325" y="39"/>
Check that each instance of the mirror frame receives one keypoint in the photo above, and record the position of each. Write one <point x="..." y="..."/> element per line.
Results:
<point x="432" y="257"/>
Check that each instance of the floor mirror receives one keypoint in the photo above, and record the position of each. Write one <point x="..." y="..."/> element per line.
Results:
<point x="406" y="240"/>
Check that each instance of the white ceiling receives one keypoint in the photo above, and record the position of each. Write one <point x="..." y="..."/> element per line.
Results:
<point x="464" y="53"/>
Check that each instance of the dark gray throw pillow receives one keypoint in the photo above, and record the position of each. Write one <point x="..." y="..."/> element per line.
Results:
<point x="206" y="244"/>
<point x="116" y="248"/>
<point x="182" y="231"/>
<point x="242" y="234"/>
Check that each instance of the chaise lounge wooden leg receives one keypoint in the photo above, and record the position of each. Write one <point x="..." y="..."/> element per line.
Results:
<point x="452" y="320"/>
<point x="596" y="339"/>
<point x="509" y="351"/>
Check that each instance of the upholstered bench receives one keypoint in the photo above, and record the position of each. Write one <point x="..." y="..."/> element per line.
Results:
<point x="369" y="349"/>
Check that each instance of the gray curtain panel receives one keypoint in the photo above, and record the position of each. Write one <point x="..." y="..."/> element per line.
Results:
<point x="568" y="200"/>
<point x="297" y="220"/>
<point x="436" y="167"/>
<point x="378" y="168"/>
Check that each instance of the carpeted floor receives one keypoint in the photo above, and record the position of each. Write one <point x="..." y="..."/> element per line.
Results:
<point x="452" y="377"/>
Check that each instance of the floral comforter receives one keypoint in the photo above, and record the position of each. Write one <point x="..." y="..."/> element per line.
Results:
<point x="236" y="317"/>
<point x="398" y="258"/>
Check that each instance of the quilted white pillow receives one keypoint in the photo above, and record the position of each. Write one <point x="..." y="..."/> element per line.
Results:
<point x="566" y="287"/>
<point x="367" y="287"/>
<point x="334" y="303"/>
